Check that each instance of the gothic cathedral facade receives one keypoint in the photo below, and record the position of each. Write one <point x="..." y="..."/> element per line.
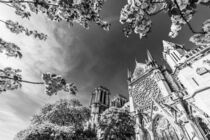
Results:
<point x="167" y="105"/>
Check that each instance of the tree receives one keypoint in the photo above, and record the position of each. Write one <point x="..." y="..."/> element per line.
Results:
<point x="46" y="131"/>
<point x="65" y="113"/>
<point x="64" y="119"/>
<point x="115" y="123"/>
<point x="10" y="79"/>
<point x="79" y="11"/>
<point x="136" y="15"/>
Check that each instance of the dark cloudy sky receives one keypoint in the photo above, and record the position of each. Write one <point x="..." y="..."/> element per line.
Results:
<point x="87" y="57"/>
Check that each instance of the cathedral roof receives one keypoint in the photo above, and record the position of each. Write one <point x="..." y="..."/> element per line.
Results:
<point x="172" y="46"/>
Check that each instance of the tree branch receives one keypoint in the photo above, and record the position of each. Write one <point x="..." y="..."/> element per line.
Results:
<point x="3" y="21"/>
<point x="33" y="2"/>
<point x="29" y="82"/>
<point x="9" y="5"/>
<point x="24" y="81"/>
<point x="188" y="24"/>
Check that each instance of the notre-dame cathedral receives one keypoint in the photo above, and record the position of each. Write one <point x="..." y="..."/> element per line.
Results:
<point x="167" y="105"/>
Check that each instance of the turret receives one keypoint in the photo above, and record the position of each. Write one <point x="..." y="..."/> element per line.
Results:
<point x="150" y="61"/>
<point x="129" y="76"/>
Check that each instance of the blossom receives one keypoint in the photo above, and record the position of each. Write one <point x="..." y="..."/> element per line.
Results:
<point x="54" y="83"/>
<point x="10" y="49"/>
<point x="115" y="122"/>
<point x="204" y="37"/>
<point x="63" y="119"/>
<point x="10" y="79"/>
<point x="15" y="27"/>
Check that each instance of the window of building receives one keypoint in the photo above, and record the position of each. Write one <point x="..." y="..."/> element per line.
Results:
<point x="197" y="49"/>
<point x="101" y="97"/>
<point x="104" y="97"/>
<point x="174" y="57"/>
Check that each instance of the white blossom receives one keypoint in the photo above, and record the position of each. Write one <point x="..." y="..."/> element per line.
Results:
<point x="115" y="123"/>
<point x="10" y="49"/>
<point x="204" y="37"/>
<point x="136" y="15"/>
<point x="54" y="83"/>
<point x="10" y="79"/>
<point x="62" y="120"/>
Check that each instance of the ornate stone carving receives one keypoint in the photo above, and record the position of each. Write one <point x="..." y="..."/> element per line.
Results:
<point x="162" y="129"/>
<point x="139" y="70"/>
<point x="144" y="91"/>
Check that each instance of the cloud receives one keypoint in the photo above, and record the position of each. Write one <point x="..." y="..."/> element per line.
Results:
<point x="24" y="105"/>
<point x="10" y="125"/>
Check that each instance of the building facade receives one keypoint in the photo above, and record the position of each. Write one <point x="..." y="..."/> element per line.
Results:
<point x="170" y="105"/>
<point x="100" y="101"/>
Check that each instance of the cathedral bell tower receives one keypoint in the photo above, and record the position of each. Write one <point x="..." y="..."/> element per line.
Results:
<point x="100" y="101"/>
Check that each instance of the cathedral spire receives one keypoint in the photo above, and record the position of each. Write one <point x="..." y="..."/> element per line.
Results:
<point x="150" y="60"/>
<point x="129" y="75"/>
<point x="136" y="61"/>
<point x="149" y="56"/>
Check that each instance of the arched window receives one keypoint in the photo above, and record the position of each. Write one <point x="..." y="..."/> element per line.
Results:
<point x="176" y="60"/>
<point x="176" y="56"/>
<point x="146" y="135"/>
<point x="204" y="127"/>
<point x="163" y="130"/>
